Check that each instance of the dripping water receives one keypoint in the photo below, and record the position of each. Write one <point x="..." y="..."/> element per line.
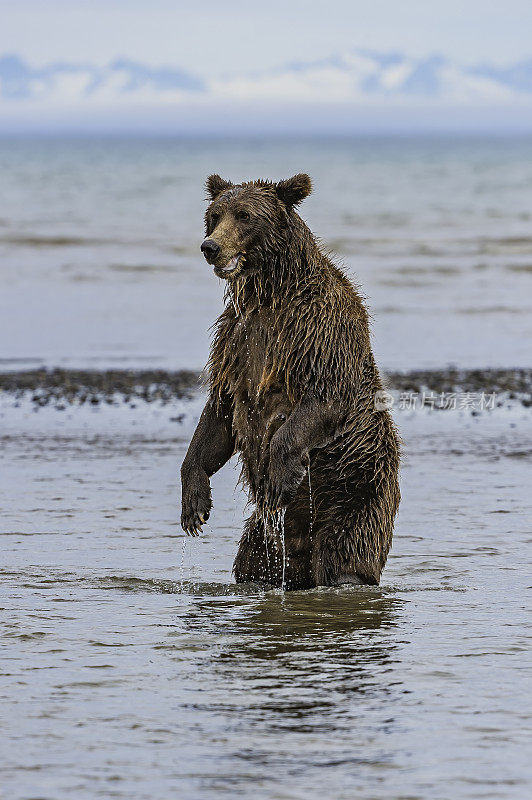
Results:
<point x="311" y="508"/>
<point x="182" y="566"/>
<point x="278" y="527"/>
<point x="283" y="545"/>
<point x="267" y="551"/>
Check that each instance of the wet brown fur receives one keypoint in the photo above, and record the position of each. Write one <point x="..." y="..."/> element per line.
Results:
<point x="292" y="383"/>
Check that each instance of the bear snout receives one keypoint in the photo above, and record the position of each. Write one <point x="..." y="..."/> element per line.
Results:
<point x="210" y="249"/>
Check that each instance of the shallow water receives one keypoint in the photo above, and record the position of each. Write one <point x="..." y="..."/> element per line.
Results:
<point x="99" y="245"/>
<point x="129" y="674"/>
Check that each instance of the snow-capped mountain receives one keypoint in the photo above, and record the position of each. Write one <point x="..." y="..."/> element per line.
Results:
<point x="370" y="78"/>
<point x="356" y="80"/>
<point x="83" y="83"/>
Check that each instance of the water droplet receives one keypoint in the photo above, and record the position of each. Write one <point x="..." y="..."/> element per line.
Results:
<point x="266" y="546"/>
<point x="311" y="508"/>
<point x="182" y="567"/>
<point x="278" y="527"/>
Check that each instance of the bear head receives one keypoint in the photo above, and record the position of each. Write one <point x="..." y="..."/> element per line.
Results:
<point x="247" y="223"/>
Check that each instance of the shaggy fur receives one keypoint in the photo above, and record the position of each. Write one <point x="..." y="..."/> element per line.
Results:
<point x="292" y="389"/>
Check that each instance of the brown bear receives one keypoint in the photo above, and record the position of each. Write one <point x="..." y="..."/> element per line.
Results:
<point x="292" y="383"/>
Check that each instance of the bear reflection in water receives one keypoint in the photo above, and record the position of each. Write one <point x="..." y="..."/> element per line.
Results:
<point x="337" y="621"/>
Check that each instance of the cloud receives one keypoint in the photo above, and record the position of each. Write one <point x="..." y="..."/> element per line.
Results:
<point x="357" y="81"/>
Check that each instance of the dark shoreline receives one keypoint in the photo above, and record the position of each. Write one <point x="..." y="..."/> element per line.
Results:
<point x="78" y="386"/>
<point x="67" y="386"/>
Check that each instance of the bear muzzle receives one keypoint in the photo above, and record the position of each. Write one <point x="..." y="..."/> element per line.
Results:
<point x="210" y="249"/>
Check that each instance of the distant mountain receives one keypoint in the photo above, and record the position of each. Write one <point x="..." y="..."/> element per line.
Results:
<point x="366" y="78"/>
<point x="518" y="77"/>
<point x="122" y="77"/>
<point x="360" y="79"/>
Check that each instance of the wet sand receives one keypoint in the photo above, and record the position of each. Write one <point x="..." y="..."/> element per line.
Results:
<point x="60" y="387"/>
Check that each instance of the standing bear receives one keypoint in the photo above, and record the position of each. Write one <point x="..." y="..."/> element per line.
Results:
<point x="292" y="389"/>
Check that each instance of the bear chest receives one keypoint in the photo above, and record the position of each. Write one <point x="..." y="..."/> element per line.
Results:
<point x="257" y="387"/>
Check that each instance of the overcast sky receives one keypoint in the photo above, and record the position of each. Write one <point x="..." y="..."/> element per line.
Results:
<point x="228" y="36"/>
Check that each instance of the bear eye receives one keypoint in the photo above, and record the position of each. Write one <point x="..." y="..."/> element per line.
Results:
<point x="243" y="216"/>
<point x="215" y="219"/>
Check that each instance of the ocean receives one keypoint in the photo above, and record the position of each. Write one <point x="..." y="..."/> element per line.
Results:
<point x="99" y="245"/>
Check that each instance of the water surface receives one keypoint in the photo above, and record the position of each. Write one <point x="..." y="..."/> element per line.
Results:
<point x="135" y="668"/>
<point x="100" y="261"/>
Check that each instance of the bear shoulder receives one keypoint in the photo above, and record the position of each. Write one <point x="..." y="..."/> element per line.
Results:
<point x="324" y="340"/>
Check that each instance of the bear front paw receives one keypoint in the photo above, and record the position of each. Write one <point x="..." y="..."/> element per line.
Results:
<point x="283" y="480"/>
<point x="196" y="503"/>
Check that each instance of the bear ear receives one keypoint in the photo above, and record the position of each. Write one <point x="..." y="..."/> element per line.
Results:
<point x="293" y="190"/>
<point x="215" y="184"/>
